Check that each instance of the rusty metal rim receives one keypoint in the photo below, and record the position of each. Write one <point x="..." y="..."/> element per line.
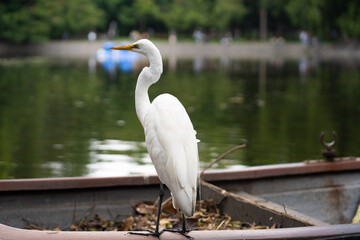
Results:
<point x="324" y="232"/>
<point x="310" y="167"/>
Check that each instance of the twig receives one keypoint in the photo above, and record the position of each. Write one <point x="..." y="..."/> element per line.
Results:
<point x="224" y="222"/>
<point x="220" y="225"/>
<point x="221" y="157"/>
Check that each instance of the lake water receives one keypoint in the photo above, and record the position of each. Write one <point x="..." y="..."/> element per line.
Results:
<point x="75" y="118"/>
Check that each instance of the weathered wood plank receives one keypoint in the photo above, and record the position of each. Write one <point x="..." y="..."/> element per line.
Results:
<point x="249" y="208"/>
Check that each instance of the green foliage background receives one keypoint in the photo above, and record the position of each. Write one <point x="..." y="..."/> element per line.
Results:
<point x="41" y="20"/>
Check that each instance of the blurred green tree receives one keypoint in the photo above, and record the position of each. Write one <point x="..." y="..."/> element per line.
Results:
<point x="278" y="19"/>
<point x="39" y="20"/>
<point x="306" y="14"/>
<point x="186" y="15"/>
<point x="228" y="13"/>
<point x="147" y="11"/>
<point x="111" y="8"/>
<point x="349" y="21"/>
<point x="23" y="21"/>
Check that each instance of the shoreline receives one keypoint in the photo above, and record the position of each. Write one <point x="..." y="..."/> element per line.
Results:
<point x="246" y="50"/>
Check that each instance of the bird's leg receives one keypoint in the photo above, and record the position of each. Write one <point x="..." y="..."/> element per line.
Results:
<point x="161" y="196"/>
<point x="182" y="231"/>
<point x="155" y="233"/>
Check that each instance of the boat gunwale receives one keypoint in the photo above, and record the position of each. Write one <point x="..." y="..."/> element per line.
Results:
<point x="312" y="232"/>
<point x="264" y="171"/>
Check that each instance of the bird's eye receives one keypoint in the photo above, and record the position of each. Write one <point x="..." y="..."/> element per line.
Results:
<point x="135" y="46"/>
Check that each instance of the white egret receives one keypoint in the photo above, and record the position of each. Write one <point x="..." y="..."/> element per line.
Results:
<point x="169" y="135"/>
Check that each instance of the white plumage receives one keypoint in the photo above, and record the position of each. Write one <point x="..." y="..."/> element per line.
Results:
<point x="169" y="133"/>
<point x="171" y="142"/>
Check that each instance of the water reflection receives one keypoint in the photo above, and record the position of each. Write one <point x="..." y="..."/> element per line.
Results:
<point x="306" y="65"/>
<point x="112" y="157"/>
<point x="115" y="145"/>
<point x="199" y="63"/>
<point x="57" y="121"/>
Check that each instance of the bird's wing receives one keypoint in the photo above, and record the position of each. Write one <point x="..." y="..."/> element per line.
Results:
<point x="176" y="135"/>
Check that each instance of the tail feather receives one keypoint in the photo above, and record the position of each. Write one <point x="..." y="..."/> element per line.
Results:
<point x="184" y="202"/>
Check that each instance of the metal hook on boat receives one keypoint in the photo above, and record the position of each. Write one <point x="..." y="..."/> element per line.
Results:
<point x="329" y="153"/>
<point x="330" y="144"/>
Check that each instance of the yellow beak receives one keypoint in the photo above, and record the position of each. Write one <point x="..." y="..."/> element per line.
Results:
<point x="124" y="47"/>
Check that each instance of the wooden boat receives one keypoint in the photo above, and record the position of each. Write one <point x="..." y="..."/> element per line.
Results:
<point x="309" y="200"/>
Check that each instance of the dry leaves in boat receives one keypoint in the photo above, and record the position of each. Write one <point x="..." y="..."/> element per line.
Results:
<point x="207" y="216"/>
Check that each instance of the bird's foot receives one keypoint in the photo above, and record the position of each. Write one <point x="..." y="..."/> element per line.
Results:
<point x="149" y="233"/>
<point x="177" y="230"/>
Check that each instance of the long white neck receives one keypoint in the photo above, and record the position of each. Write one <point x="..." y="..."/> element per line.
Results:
<point x="148" y="76"/>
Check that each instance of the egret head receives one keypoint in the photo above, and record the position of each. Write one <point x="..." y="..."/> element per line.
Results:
<point x="142" y="46"/>
<point x="147" y="48"/>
